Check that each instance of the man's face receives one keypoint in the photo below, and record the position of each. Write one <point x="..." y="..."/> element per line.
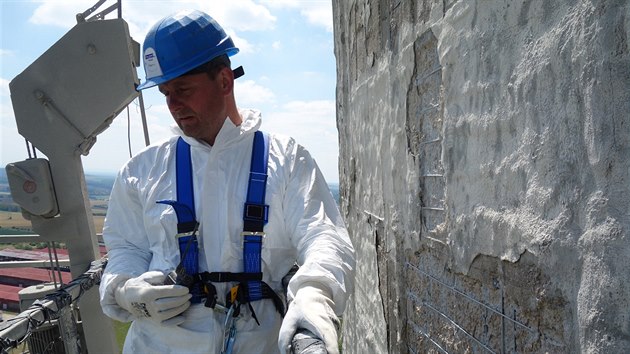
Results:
<point x="197" y="103"/>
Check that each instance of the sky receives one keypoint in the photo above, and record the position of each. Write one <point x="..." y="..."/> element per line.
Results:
<point x="286" y="48"/>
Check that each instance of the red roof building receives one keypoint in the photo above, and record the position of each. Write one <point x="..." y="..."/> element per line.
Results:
<point x="12" y="280"/>
<point x="31" y="276"/>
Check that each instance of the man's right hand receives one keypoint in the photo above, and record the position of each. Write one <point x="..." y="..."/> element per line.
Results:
<point x="146" y="297"/>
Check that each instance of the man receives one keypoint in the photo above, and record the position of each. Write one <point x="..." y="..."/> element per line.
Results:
<point x="187" y="56"/>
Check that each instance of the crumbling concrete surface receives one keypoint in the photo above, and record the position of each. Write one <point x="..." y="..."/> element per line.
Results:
<point x="485" y="174"/>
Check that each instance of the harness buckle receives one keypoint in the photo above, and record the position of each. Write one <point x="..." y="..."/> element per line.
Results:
<point x="220" y="308"/>
<point x="256" y="212"/>
<point x="260" y="234"/>
<point x="184" y="234"/>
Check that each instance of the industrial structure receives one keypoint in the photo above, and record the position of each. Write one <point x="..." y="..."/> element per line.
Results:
<point x="60" y="117"/>
<point x="485" y="174"/>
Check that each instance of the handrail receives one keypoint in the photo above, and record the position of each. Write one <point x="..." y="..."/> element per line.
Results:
<point x="16" y="330"/>
<point x="33" y="264"/>
<point x="20" y="238"/>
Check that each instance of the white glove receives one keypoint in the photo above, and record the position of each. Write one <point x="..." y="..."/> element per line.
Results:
<point x="310" y="309"/>
<point x="146" y="297"/>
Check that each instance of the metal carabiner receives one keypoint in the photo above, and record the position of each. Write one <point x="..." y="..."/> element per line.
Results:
<point x="229" y="345"/>
<point x="229" y="331"/>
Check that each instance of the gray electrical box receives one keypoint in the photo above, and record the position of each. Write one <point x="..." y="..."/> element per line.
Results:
<point x="32" y="188"/>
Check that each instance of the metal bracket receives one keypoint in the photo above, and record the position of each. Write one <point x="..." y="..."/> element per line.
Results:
<point x="88" y="141"/>
<point x="82" y="17"/>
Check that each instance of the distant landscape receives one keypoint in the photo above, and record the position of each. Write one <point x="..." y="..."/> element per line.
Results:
<point x="99" y="187"/>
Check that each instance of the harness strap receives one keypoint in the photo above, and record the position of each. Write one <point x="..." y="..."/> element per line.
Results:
<point x="222" y="277"/>
<point x="185" y="192"/>
<point x="256" y="212"/>
<point x="242" y="294"/>
<point x="188" y="244"/>
<point x="255" y="215"/>
<point x="187" y="223"/>
<point x="243" y="291"/>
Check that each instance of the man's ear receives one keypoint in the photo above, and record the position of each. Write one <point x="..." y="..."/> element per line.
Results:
<point x="226" y="79"/>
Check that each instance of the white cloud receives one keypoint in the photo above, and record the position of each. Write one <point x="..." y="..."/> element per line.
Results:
<point x="313" y="125"/>
<point x="280" y="3"/>
<point x="240" y="15"/>
<point x="241" y="43"/>
<point x="60" y="13"/>
<point x="158" y="112"/>
<point x="314" y="108"/>
<point x="250" y="94"/>
<point x="7" y="116"/>
<point x="244" y="15"/>
<point x="6" y="53"/>
<point x="11" y="143"/>
<point x="317" y="12"/>
<point x="276" y="45"/>
<point x="4" y="87"/>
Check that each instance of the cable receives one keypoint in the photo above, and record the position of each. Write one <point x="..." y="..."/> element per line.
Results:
<point x="17" y="329"/>
<point x="57" y="263"/>
<point x="129" y="132"/>
<point x="28" y="148"/>
<point x="52" y="267"/>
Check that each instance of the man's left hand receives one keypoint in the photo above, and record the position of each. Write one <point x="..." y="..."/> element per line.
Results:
<point x="311" y="309"/>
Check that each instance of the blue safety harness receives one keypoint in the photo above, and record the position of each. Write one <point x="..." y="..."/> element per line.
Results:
<point x="255" y="215"/>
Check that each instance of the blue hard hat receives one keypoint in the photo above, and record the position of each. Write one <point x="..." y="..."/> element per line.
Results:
<point x="181" y="42"/>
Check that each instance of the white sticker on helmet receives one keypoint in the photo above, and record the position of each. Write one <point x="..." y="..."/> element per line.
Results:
<point x="151" y="64"/>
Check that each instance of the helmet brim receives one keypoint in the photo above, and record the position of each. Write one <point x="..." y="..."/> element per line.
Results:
<point x="158" y="80"/>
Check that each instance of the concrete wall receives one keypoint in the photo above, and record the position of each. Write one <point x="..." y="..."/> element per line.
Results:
<point x="485" y="174"/>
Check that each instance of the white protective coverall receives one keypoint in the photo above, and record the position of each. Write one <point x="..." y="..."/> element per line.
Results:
<point x="304" y="225"/>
